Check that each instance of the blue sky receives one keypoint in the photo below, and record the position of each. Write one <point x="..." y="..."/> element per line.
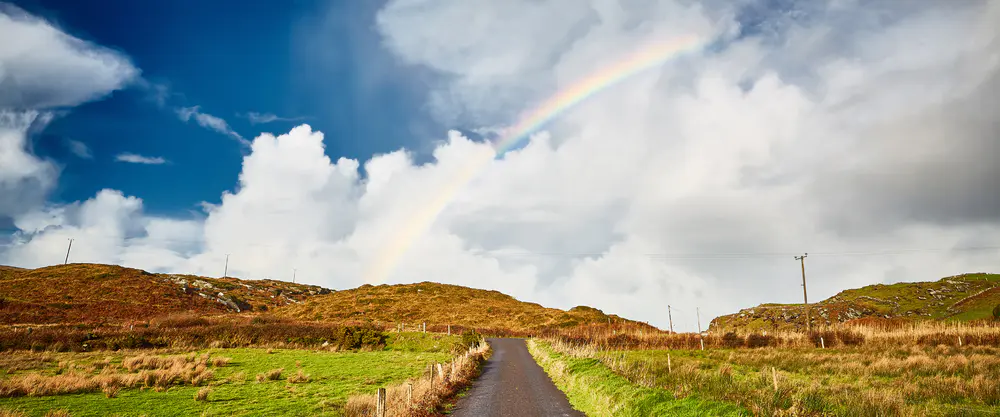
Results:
<point x="306" y="60"/>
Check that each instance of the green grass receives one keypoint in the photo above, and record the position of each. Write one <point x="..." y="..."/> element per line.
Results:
<point x="334" y="377"/>
<point x="848" y="382"/>
<point x="597" y="391"/>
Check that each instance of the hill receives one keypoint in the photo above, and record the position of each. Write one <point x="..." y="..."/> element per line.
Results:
<point x="93" y="293"/>
<point x="961" y="297"/>
<point x="441" y="305"/>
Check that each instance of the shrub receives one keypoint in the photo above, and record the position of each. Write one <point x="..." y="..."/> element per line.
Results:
<point x="469" y="339"/>
<point x="732" y="340"/>
<point x="996" y="312"/>
<point x="759" y="340"/>
<point x="354" y="337"/>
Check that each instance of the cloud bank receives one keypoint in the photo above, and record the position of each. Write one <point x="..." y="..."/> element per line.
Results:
<point x="822" y="129"/>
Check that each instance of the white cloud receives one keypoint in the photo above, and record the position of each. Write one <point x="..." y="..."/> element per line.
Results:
<point x="692" y="184"/>
<point x="42" y="68"/>
<point x="79" y="149"/>
<point x="211" y="122"/>
<point x="25" y="179"/>
<point x="261" y="118"/>
<point x="45" y="67"/>
<point x="139" y="159"/>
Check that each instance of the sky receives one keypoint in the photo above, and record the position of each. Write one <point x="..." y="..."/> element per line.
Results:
<point x="396" y="142"/>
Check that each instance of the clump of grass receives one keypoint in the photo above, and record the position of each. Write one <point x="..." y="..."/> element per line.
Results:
<point x="219" y="361"/>
<point x="12" y="413"/>
<point x="299" y="377"/>
<point x="58" y="413"/>
<point x="272" y="375"/>
<point x="111" y="391"/>
<point x="238" y="378"/>
<point x="202" y="394"/>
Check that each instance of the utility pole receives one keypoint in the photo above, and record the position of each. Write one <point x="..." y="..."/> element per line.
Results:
<point x="805" y="298"/>
<point x="697" y="313"/>
<point x="65" y="261"/>
<point x="671" y="318"/>
<point x="293" y="275"/>
<point x="226" y="273"/>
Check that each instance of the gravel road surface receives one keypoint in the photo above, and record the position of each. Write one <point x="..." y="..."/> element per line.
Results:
<point x="512" y="384"/>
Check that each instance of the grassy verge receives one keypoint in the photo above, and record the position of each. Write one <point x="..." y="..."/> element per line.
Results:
<point x="252" y="381"/>
<point x="597" y="391"/>
<point x="905" y="381"/>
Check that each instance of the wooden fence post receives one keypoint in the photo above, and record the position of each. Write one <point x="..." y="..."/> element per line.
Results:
<point x="822" y="344"/>
<point x="425" y="327"/>
<point x="449" y="330"/>
<point x="380" y="403"/>
<point x="774" y="378"/>
<point x="441" y="372"/>
<point x="409" y="395"/>
<point x="670" y="368"/>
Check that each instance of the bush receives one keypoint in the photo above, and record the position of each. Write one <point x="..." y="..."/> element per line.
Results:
<point x="469" y="339"/>
<point x="996" y="312"/>
<point x="759" y="340"/>
<point x="354" y="337"/>
<point x="732" y="340"/>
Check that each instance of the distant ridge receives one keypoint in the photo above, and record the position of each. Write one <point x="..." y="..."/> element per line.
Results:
<point x="963" y="297"/>
<point x="443" y="304"/>
<point x="95" y="293"/>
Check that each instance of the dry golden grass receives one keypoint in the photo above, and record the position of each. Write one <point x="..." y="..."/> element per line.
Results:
<point x="428" y="392"/>
<point x="157" y="372"/>
<point x="202" y="394"/>
<point x="299" y="377"/>
<point x="926" y="333"/>
<point x="272" y="375"/>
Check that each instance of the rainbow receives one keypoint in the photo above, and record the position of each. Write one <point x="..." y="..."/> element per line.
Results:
<point x="646" y="58"/>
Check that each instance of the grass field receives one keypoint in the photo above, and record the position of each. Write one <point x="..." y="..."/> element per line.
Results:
<point x="311" y="382"/>
<point x="596" y="390"/>
<point x="901" y="378"/>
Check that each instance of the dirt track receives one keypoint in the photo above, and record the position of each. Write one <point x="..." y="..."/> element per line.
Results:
<point x="512" y="384"/>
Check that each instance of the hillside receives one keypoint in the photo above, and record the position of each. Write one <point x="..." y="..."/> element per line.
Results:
<point x="441" y="305"/>
<point x="91" y="293"/>
<point x="961" y="297"/>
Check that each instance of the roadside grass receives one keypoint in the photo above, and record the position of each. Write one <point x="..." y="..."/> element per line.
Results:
<point x="596" y="390"/>
<point x="310" y="382"/>
<point x="906" y="381"/>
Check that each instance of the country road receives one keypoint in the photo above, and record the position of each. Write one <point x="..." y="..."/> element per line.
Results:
<point x="512" y="384"/>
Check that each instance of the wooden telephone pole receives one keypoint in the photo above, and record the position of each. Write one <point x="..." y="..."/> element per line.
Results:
<point x="805" y="298"/>
<point x="671" y="318"/>
<point x="226" y="272"/>
<point x="65" y="261"/>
